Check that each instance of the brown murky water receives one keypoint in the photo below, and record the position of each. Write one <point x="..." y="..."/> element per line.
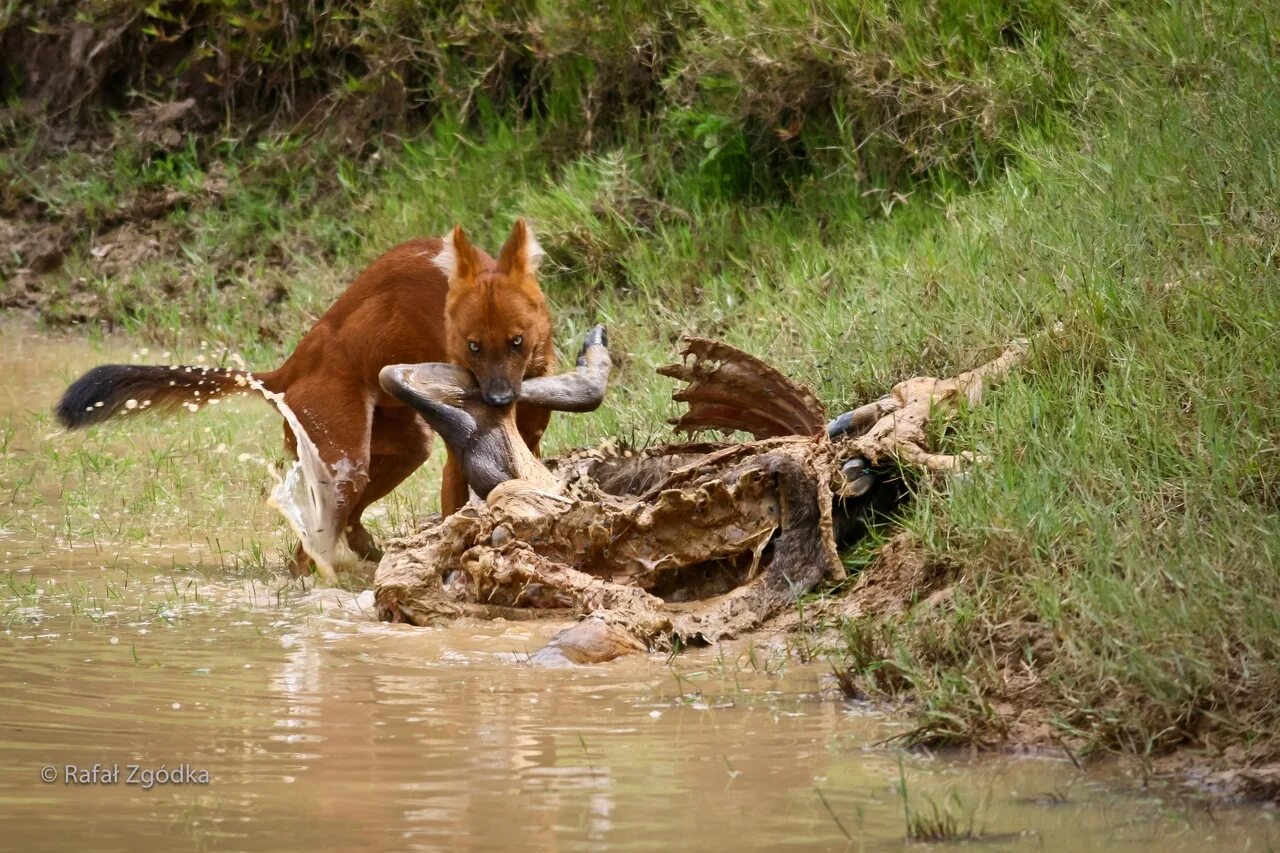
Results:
<point x="146" y="624"/>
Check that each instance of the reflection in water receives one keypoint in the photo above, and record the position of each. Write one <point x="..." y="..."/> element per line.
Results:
<point x="324" y="730"/>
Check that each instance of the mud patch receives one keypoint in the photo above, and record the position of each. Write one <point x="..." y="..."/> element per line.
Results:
<point x="901" y="576"/>
<point x="1237" y="772"/>
<point x="124" y="248"/>
<point x="1261" y="783"/>
<point x="36" y="245"/>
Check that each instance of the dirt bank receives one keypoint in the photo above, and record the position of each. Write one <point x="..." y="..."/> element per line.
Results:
<point x="903" y="590"/>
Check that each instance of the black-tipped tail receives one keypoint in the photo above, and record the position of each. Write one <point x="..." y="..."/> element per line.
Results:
<point x="116" y="389"/>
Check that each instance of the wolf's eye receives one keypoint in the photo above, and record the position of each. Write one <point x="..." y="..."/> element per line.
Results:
<point x="517" y="341"/>
<point x="474" y="346"/>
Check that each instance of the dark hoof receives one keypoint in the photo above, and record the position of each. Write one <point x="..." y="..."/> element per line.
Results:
<point x="363" y="544"/>
<point x="858" y="476"/>
<point x="597" y="337"/>
<point x="840" y="426"/>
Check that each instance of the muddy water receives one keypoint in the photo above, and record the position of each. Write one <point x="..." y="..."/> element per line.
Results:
<point x="134" y="636"/>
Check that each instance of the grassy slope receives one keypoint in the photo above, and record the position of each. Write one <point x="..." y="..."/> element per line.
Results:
<point x="1116" y="560"/>
<point x="1119" y="555"/>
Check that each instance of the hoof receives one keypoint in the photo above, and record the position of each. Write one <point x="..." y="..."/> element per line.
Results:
<point x="597" y="337"/>
<point x="858" y="476"/>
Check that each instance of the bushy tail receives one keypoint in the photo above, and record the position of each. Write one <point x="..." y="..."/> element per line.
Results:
<point x="126" y="389"/>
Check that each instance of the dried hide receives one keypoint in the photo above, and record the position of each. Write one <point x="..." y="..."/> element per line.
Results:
<point x="686" y="543"/>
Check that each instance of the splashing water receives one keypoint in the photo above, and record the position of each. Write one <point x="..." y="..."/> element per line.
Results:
<point x="306" y="496"/>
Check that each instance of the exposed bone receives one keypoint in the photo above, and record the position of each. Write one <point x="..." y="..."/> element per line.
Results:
<point x="603" y="557"/>
<point x="730" y="390"/>
<point x="897" y="422"/>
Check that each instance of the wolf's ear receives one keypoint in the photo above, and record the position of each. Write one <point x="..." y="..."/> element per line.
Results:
<point x="457" y="258"/>
<point x="521" y="254"/>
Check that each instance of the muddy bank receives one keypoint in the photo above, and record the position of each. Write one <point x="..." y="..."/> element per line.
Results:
<point x="107" y="227"/>
<point x="906" y="592"/>
<point x="39" y="240"/>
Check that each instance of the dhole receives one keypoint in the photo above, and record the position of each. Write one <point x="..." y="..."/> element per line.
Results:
<point x="425" y="300"/>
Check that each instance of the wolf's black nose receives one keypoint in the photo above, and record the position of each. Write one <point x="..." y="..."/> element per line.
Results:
<point x="499" y="398"/>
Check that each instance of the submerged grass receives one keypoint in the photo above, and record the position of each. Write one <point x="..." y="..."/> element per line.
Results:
<point x="948" y="823"/>
<point x="1113" y="565"/>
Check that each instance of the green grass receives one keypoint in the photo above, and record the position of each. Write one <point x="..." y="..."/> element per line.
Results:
<point x="1114" y="563"/>
<point x="948" y="823"/>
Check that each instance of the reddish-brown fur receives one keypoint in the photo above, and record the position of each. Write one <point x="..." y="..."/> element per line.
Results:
<point x="403" y="309"/>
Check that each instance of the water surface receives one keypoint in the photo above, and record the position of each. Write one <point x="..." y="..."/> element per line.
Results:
<point x="146" y="623"/>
